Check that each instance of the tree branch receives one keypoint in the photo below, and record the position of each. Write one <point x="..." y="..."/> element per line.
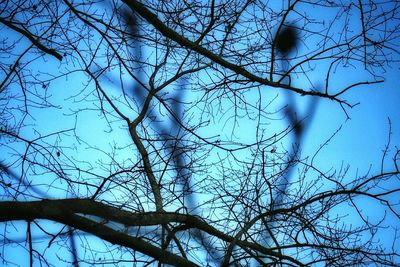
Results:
<point x="65" y="210"/>
<point x="62" y="211"/>
<point x="173" y="35"/>
<point x="31" y="38"/>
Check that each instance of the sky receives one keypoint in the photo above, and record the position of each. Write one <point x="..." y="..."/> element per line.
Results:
<point x="359" y="143"/>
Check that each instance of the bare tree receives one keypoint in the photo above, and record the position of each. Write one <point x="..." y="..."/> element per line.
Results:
<point x="171" y="132"/>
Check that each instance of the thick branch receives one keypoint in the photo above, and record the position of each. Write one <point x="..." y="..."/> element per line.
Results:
<point x="31" y="38"/>
<point x="62" y="211"/>
<point x="145" y="156"/>
<point x="173" y="35"/>
<point x="65" y="210"/>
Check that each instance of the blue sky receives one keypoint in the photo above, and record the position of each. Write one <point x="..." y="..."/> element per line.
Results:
<point x="359" y="143"/>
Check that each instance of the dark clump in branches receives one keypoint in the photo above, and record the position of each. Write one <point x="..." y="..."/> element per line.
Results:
<point x="287" y="39"/>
